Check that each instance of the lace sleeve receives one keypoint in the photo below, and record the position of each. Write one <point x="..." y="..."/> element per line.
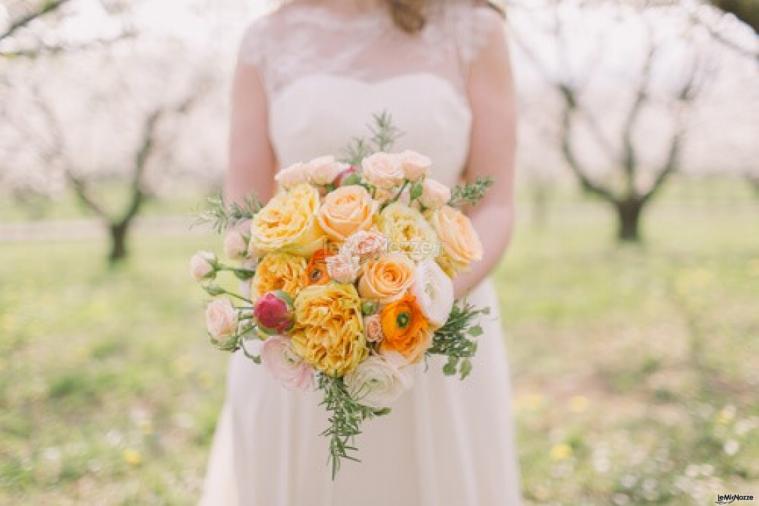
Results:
<point x="475" y="30"/>
<point x="253" y="45"/>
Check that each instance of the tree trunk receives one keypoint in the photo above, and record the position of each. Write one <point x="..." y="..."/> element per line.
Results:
<point x="118" y="233"/>
<point x="628" y="219"/>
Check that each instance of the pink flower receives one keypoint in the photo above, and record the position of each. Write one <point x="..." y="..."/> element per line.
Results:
<point x="414" y="165"/>
<point x="235" y="245"/>
<point x="373" y="328"/>
<point x="382" y="170"/>
<point x="202" y="265"/>
<point x="293" y="175"/>
<point x="221" y="320"/>
<point x="273" y="311"/>
<point x="285" y="365"/>
<point x="324" y="170"/>
<point x="364" y="244"/>
<point x="434" y="194"/>
<point x="345" y="174"/>
<point x="343" y="268"/>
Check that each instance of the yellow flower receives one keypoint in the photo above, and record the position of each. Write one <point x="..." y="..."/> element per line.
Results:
<point x="288" y="223"/>
<point x="407" y="231"/>
<point x="328" y="330"/>
<point x="460" y="242"/>
<point x="280" y="271"/>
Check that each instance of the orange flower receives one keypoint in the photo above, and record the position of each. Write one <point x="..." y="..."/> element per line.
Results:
<point x="405" y="329"/>
<point x="316" y="270"/>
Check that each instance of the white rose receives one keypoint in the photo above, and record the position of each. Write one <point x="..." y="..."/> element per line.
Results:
<point x="382" y="170"/>
<point x="434" y="194"/>
<point x="414" y="165"/>
<point x="379" y="380"/>
<point x="221" y="319"/>
<point x="235" y="246"/>
<point x="433" y="290"/>
<point x="293" y="175"/>
<point x="202" y="265"/>
<point x="324" y="170"/>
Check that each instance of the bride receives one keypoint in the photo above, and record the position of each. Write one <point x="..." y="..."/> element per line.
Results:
<point x="309" y="77"/>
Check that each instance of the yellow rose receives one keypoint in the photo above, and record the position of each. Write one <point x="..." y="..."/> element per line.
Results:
<point x="460" y="243"/>
<point x="408" y="232"/>
<point x="345" y="211"/>
<point x="328" y="331"/>
<point x="280" y="271"/>
<point x="387" y="278"/>
<point x="288" y="223"/>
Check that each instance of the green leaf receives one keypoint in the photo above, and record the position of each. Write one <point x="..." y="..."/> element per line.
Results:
<point x="416" y="191"/>
<point x="465" y="368"/>
<point x="475" y="331"/>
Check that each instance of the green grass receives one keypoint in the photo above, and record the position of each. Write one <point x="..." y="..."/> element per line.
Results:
<point x="634" y="367"/>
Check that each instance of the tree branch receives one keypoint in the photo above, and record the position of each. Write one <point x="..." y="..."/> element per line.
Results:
<point x="47" y="7"/>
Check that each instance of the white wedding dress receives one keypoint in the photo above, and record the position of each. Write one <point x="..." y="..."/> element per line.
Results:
<point x="447" y="442"/>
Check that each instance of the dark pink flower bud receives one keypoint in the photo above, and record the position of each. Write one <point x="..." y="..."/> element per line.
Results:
<point x="347" y="176"/>
<point x="274" y="312"/>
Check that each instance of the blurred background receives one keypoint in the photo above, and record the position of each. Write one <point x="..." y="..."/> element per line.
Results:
<point x="630" y="294"/>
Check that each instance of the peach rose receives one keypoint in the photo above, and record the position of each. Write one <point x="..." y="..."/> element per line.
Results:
<point x="373" y="328"/>
<point x="460" y="243"/>
<point x="221" y="320"/>
<point x="292" y="176"/>
<point x="387" y="278"/>
<point x="382" y="170"/>
<point x="414" y="165"/>
<point x="235" y="245"/>
<point x="203" y="265"/>
<point x="346" y="211"/>
<point x="324" y="170"/>
<point x="434" y="194"/>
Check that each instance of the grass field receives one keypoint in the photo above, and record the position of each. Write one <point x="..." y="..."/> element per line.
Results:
<point x="634" y="368"/>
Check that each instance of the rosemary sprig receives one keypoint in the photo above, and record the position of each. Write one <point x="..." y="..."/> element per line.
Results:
<point x="356" y="151"/>
<point x="345" y="418"/>
<point x="384" y="133"/>
<point x="454" y="339"/>
<point x="224" y="216"/>
<point x="470" y="193"/>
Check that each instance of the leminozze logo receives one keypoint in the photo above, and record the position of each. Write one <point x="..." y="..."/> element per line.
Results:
<point x="731" y="498"/>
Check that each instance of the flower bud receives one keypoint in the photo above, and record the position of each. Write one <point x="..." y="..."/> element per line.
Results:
<point x="369" y="307"/>
<point x="203" y="265"/>
<point x="347" y="177"/>
<point x="274" y="313"/>
<point x="235" y="245"/>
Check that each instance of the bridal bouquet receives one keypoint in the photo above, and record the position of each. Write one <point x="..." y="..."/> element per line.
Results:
<point x="347" y="280"/>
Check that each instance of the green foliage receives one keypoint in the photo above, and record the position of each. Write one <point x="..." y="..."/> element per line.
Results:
<point x="345" y="419"/>
<point x="454" y="338"/>
<point x="383" y="136"/>
<point x="223" y="216"/>
<point x="469" y="194"/>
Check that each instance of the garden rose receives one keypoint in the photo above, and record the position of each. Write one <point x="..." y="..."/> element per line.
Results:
<point x="382" y="170"/>
<point x="328" y="331"/>
<point x="346" y="211"/>
<point x="414" y="165"/>
<point x="460" y="242"/>
<point x="288" y="223"/>
<point x="433" y="290"/>
<point x="203" y="265"/>
<point x="379" y="380"/>
<point x="235" y="245"/>
<point x="405" y="328"/>
<point x="324" y="170"/>
<point x="364" y="245"/>
<point x="273" y="312"/>
<point x="279" y="358"/>
<point x="373" y="328"/>
<point x="221" y="320"/>
<point x="280" y="271"/>
<point x="407" y="231"/>
<point x="292" y="176"/>
<point x="343" y="268"/>
<point x="434" y="194"/>
<point x="387" y="278"/>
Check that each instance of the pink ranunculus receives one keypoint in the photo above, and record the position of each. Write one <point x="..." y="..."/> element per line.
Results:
<point x="221" y="319"/>
<point x="273" y="311"/>
<point x="235" y="245"/>
<point x="202" y="265"/>
<point x="364" y="244"/>
<point x="324" y="170"/>
<point x="279" y="358"/>
<point x="382" y="170"/>
<point x="293" y="175"/>
<point x="414" y="165"/>
<point x="373" y="328"/>
<point x="434" y="194"/>
<point x="343" y="268"/>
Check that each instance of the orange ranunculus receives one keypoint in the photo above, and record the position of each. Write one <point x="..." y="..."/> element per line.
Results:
<point x="316" y="270"/>
<point x="405" y="328"/>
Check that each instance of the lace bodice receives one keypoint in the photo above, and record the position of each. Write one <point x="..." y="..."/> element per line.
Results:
<point x="326" y="73"/>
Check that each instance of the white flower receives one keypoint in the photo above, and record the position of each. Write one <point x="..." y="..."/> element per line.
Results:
<point x="202" y="265"/>
<point x="234" y="245"/>
<point x="279" y="358"/>
<point x="293" y="175"/>
<point x="343" y="268"/>
<point x="221" y="319"/>
<point x="414" y="165"/>
<point x="434" y="194"/>
<point x="324" y="170"/>
<point x="379" y="380"/>
<point x="433" y="290"/>
<point x="364" y="244"/>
